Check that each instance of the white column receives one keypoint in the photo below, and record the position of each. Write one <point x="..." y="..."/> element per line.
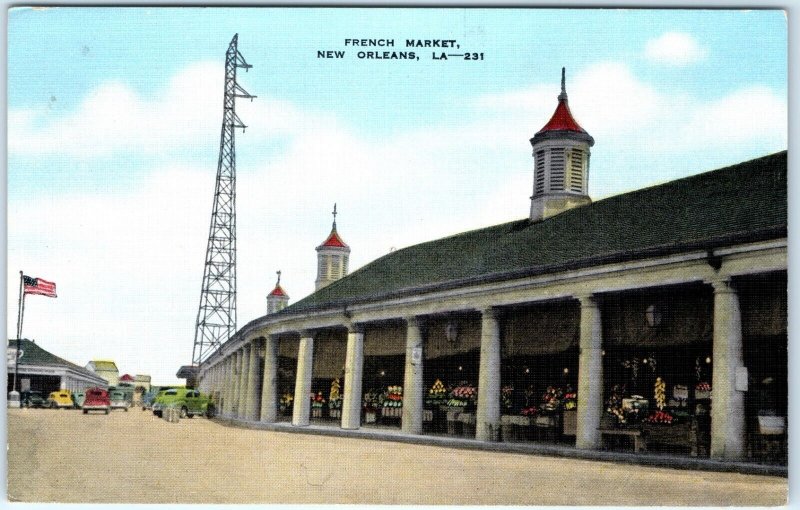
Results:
<point x="590" y="375"/>
<point x="228" y="384"/>
<point x="302" y="387"/>
<point x="269" y="386"/>
<point x="353" y="369"/>
<point x="251" y="402"/>
<point x="237" y="370"/>
<point x="487" y="421"/>
<point x="727" y="407"/>
<point x="413" y="390"/>
<point x="241" y="411"/>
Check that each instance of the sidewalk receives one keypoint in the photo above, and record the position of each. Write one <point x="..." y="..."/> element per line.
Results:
<point x="529" y="448"/>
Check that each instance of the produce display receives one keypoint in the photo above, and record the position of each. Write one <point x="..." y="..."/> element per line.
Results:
<point x="317" y="401"/>
<point x="660" y="417"/>
<point x="703" y="386"/>
<point x="372" y="399"/>
<point x="285" y="403"/>
<point x="614" y="403"/>
<point x="335" y="397"/>
<point x="570" y="400"/>
<point x="506" y="401"/>
<point x="437" y="395"/>
<point x="462" y="395"/>
<point x="394" y="397"/>
<point x="660" y="393"/>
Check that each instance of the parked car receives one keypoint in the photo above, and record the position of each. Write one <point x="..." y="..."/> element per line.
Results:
<point x="96" y="400"/>
<point x="61" y="399"/>
<point x="119" y="400"/>
<point x="32" y="398"/>
<point x="77" y="398"/>
<point x="149" y="397"/>
<point x="189" y="402"/>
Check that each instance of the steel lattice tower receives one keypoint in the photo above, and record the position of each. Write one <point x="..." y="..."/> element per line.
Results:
<point x="216" y="317"/>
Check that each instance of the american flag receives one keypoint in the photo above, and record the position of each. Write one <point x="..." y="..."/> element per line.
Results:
<point x="38" y="286"/>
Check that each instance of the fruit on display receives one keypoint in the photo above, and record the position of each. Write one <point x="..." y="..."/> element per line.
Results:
<point x="437" y="394"/>
<point x="335" y="397"/>
<point x="394" y="397"/>
<point x="462" y="395"/>
<point x="702" y="386"/>
<point x="506" y="394"/>
<point x="317" y="400"/>
<point x="530" y="411"/>
<point x="660" y="393"/>
<point x="286" y="401"/>
<point x="570" y="400"/>
<point x="660" y="417"/>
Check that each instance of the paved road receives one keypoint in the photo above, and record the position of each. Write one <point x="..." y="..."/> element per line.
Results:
<point x="133" y="457"/>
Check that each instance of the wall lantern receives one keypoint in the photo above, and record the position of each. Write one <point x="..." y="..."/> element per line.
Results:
<point x="566" y="370"/>
<point x="708" y="360"/>
<point x="653" y="316"/>
<point x="451" y="332"/>
<point x="460" y="368"/>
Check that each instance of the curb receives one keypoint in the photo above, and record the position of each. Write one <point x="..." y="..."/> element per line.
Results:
<point x="641" y="459"/>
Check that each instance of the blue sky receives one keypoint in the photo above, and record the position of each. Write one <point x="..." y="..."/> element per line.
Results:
<point x="114" y="125"/>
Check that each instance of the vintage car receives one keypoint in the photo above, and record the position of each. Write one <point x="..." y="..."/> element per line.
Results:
<point x="188" y="401"/>
<point x="119" y="400"/>
<point x="32" y="398"/>
<point x="78" y="398"/>
<point x="96" y="400"/>
<point x="61" y="399"/>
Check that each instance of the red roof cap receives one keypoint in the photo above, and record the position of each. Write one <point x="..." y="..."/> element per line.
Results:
<point x="562" y="120"/>
<point x="334" y="241"/>
<point x="278" y="292"/>
<point x="126" y="377"/>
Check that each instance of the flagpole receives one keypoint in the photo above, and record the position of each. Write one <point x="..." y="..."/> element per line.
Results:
<point x="19" y="327"/>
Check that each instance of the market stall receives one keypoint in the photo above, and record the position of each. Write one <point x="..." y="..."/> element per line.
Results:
<point x="452" y="359"/>
<point x="286" y="377"/>
<point x="658" y="370"/>
<point x="382" y="377"/>
<point x="539" y="372"/>
<point x="330" y="347"/>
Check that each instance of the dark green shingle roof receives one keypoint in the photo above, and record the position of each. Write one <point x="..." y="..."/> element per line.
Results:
<point x="744" y="202"/>
<point x="32" y="354"/>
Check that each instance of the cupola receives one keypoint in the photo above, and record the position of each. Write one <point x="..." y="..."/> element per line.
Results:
<point x="278" y="298"/>
<point x="332" y="257"/>
<point x="560" y="162"/>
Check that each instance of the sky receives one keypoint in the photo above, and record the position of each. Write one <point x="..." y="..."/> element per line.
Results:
<point x="114" y="122"/>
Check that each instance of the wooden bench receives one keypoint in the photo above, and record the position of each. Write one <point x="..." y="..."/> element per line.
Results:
<point x="639" y="444"/>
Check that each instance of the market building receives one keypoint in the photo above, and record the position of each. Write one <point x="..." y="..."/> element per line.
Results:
<point x="106" y="369"/>
<point x="40" y="370"/>
<point x="655" y="319"/>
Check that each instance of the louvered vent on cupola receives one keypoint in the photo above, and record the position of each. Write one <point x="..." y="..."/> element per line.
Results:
<point x="557" y="169"/>
<point x="575" y="165"/>
<point x="540" y="172"/>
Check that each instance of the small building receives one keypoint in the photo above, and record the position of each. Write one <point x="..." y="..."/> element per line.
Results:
<point x="106" y="369"/>
<point x="142" y="381"/>
<point x="40" y="370"/>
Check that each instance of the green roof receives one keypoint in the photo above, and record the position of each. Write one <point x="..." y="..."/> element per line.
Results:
<point x="105" y="365"/>
<point x="32" y="354"/>
<point x="739" y="203"/>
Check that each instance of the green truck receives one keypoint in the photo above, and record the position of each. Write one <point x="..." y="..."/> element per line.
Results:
<point x="188" y="401"/>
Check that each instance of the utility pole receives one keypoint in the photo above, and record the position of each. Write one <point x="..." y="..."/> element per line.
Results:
<point x="216" y="316"/>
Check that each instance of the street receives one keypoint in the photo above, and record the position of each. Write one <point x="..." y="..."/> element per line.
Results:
<point x="134" y="457"/>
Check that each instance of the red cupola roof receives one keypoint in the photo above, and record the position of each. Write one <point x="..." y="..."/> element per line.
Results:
<point x="562" y="120"/>
<point x="333" y="241"/>
<point x="278" y="292"/>
<point x="562" y="124"/>
<point x="126" y="377"/>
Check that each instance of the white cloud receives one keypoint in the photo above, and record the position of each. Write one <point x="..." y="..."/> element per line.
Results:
<point x="674" y="48"/>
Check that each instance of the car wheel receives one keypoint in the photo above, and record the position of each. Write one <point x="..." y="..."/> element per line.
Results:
<point x="184" y="412"/>
<point x="107" y="411"/>
<point x="157" y="413"/>
<point x="126" y="409"/>
<point x="85" y="411"/>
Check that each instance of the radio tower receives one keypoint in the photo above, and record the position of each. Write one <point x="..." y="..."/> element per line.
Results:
<point x="216" y="318"/>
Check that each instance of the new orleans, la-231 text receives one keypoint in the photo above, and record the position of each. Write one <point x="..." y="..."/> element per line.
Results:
<point x="407" y="49"/>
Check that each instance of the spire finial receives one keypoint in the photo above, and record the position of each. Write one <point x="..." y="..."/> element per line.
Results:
<point x="334" y="216"/>
<point x="279" y="278"/>
<point x="563" y="95"/>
